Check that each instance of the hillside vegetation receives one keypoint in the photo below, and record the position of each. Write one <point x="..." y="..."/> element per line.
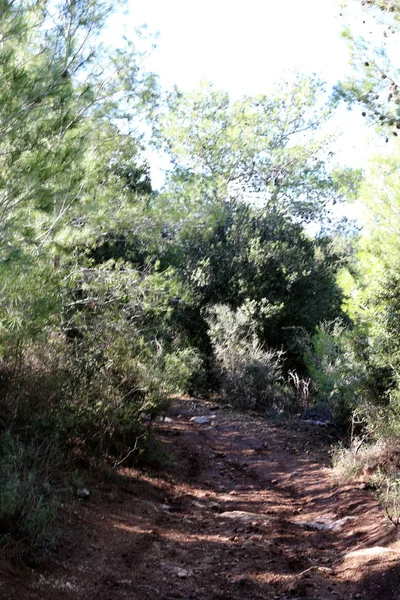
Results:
<point x="115" y="296"/>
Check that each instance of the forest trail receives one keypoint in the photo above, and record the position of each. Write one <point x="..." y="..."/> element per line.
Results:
<point x="162" y="533"/>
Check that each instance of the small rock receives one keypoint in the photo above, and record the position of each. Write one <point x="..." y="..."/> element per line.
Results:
<point x="202" y="420"/>
<point x="376" y="551"/>
<point x="317" y="423"/>
<point x="145" y="417"/>
<point x="241" y="515"/>
<point x="325" y="524"/>
<point x="182" y="573"/>
<point x="83" y="493"/>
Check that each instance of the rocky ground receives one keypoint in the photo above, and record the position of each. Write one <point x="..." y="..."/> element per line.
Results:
<point x="244" y="509"/>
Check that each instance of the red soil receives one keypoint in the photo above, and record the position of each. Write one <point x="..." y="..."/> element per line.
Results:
<point x="158" y="533"/>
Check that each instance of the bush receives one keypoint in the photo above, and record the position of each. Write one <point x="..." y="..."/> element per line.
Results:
<point x="125" y="357"/>
<point x="251" y="376"/>
<point x="389" y="496"/>
<point x="86" y="378"/>
<point x="379" y="463"/>
<point x="113" y="357"/>
<point x="338" y="373"/>
<point x="27" y="505"/>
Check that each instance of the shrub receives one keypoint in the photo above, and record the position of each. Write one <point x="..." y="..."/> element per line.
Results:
<point x="112" y="358"/>
<point x="27" y="505"/>
<point x="124" y="354"/>
<point x="85" y="378"/>
<point x="338" y="373"/>
<point x="389" y="496"/>
<point x="251" y="376"/>
<point x="379" y="463"/>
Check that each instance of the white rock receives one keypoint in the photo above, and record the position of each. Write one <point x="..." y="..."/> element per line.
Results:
<point x="376" y="551"/>
<point x="202" y="420"/>
<point x="145" y="417"/>
<point x="83" y="493"/>
<point x="241" y="515"/>
<point x="325" y="524"/>
<point x="182" y="573"/>
<point x="164" y="419"/>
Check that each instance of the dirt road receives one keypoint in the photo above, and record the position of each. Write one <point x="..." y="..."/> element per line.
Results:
<point x="245" y="510"/>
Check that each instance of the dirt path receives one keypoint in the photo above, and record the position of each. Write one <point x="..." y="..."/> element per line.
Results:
<point x="163" y="534"/>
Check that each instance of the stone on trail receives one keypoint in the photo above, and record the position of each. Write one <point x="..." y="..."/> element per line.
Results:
<point x="246" y="517"/>
<point x="324" y="524"/>
<point x="182" y="573"/>
<point x="202" y="420"/>
<point x="375" y="551"/>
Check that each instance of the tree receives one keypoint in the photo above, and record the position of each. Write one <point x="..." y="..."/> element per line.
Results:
<point x="264" y="148"/>
<point x="59" y="87"/>
<point x="375" y="84"/>
<point x="373" y="288"/>
<point x="65" y="164"/>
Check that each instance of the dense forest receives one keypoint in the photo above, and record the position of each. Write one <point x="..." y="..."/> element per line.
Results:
<point x="116" y="296"/>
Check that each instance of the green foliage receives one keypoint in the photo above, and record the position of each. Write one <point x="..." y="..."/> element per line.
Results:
<point x="251" y="377"/>
<point x="113" y="358"/>
<point x="265" y="147"/>
<point x="262" y="255"/>
<point x="371" y="290"/>
<point x="123" y="353"/>
<point x="374" y="84"/>
<point x="74" y="360"/>
<point x="60" y="89"/>
<point x="337" y="370"/>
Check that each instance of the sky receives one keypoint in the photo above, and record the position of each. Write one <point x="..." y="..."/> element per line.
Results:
<point x="243" y="46"/>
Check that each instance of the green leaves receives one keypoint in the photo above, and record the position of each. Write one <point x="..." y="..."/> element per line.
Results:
<point x="264" y="148"/>
<point x="375" y="81"/>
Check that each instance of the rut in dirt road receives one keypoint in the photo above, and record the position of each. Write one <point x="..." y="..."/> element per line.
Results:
<point x="245" y="510"/>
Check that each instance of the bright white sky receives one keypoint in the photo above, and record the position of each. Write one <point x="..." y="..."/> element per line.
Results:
<point x="243" y="46"/>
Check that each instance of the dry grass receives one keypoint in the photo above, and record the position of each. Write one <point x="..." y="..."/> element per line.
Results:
<point x="379" y="465"/>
